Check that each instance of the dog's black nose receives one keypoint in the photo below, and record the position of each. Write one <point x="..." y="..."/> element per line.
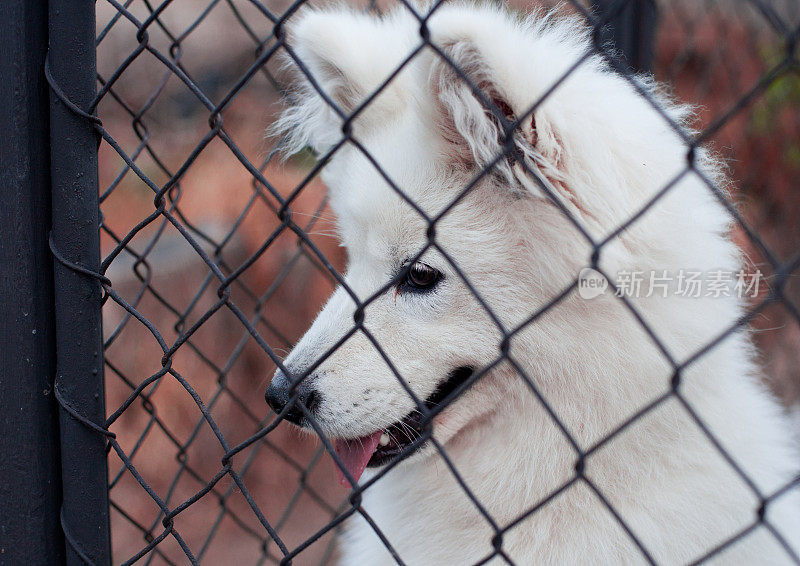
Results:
<point x="278" y="395"/>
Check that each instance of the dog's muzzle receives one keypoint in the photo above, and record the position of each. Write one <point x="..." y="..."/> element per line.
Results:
<point x="396" y="441"/>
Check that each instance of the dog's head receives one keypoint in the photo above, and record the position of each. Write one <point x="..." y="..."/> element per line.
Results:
<point x="468" y="176"/>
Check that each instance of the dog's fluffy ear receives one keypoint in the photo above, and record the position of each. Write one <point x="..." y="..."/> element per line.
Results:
<point x="346" y="56"/>
<point x="473" y="110"/>
<point x="482" y="86"/>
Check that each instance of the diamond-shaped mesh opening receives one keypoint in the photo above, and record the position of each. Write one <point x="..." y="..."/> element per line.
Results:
<point x="220" y="253"/>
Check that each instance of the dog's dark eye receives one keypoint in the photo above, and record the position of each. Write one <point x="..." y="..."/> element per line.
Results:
<point x="421" y="277"/>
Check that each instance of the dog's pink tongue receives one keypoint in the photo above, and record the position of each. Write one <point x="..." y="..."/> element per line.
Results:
<point x="355" y="454"/>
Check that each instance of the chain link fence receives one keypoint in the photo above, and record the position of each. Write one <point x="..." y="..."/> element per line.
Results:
<point x="215" y="255"/>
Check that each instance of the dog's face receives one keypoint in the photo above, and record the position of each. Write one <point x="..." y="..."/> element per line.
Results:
<point x="419" y="311"/>
<point x="424" y="329"/>
<point x="456" y="232"/>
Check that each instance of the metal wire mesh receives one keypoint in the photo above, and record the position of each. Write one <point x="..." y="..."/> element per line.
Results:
<point x="217" y="256"/>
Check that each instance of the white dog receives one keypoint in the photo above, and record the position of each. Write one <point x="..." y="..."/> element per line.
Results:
<point x="589" y="442"/>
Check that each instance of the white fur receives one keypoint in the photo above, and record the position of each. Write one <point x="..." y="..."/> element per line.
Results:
<point x="601" y="151"/>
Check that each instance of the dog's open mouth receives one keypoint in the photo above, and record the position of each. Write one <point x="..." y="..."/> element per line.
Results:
<point x="383" y="445"/>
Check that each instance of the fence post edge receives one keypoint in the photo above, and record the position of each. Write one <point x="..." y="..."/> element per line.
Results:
<point x="76" y="244"/>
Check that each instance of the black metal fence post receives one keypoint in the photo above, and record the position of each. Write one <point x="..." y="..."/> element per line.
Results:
<point x="76" y="244"/>
<point x="631" y="28"/>
<point x="30" y="490"/>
